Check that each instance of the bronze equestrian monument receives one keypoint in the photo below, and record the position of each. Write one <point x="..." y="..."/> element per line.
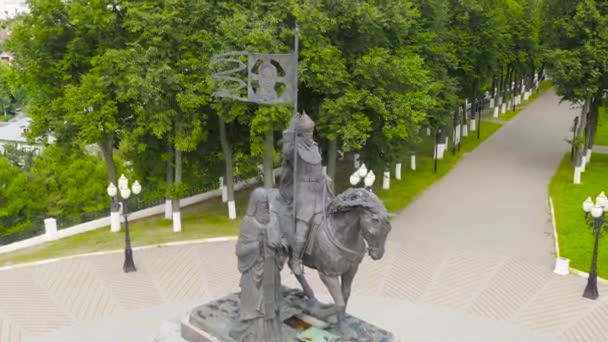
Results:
<point x="303" y="225"/>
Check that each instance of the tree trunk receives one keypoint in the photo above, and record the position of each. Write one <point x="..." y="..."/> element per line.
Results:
<point x="498" y="87"/>
<point x="268" y="147"/>
<point x="107" y="148"/>
<point x="540" y="79"/>
<point x="178" y="177"/>
<point x="331" y="159"/>
<point x="506" y="85"/>
<point x="593" y="119"/>
<point x="169" y="181"/>
<point x="227" y="150"/>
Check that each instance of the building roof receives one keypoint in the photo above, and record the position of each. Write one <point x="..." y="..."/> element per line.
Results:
<point x="12" y="7"/>
<point x="13" y="131"/>
<point x="6" y="56"/>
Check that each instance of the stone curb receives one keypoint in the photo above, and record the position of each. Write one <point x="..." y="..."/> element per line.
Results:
<point x="571" y="269"/>
<point x="168" y="244"/>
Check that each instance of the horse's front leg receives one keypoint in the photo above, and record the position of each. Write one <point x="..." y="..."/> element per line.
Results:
<point x="306" y="287"/>
<point x="335" y="289"/>
<point x="347" y="282"/>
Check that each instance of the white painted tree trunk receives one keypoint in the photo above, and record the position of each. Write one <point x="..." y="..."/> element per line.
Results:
<point x="231" y="210"/>
<point x="473" y="125"/>
<point x="440" y="151"/>
<point x="457" y="134"/>
<point x="492" y="102"/>
<point x="509" y="105"/>
<point x="584" y="164"/>
<point x="577" y="175"/>
<point x="356" y="163"/>
<point x="465" y="131"/>
<point x="325" y="170"/>
<point x="413" y="162"/>
<point x="447" y="145"/>
<point x="496" y="111"/>
<point x="398" y="171"/>
<point x="428" y="131"/>
<point x="177" y="221"/>
<point x="168" y="210"/>
<point x="50" y="229"/>
<point x="224" y="190"/>
<point x="386" y="181"/>
<point x="114" y="221"/>
<point x="503" y="109"/>
<point x="588" y="157"/>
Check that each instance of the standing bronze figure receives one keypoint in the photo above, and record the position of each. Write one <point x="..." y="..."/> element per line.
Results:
<point x="302" y="165"/>
<point x="259" y="250"/>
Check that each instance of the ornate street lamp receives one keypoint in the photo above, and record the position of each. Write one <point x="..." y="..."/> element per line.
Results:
<point x="594" y="216"/>
<point x="363" y="174"/>
<point x="125" y="193"/>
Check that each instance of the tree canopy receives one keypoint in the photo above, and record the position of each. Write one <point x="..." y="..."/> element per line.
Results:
<point x="134" y="78"/>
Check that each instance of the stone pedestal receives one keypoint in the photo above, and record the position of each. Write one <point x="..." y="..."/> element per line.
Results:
<point x="213" y="322"/>
<point x="562" y="266"/>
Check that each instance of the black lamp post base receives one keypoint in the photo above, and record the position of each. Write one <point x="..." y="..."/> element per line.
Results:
<point x="129" y="265"/>
<point x="591" y="289"/>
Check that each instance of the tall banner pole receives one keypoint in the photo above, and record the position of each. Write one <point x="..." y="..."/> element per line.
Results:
<point x="295" y="133"/>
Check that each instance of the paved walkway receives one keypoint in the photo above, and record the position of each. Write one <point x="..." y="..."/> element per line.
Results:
<point x="470" y="260"/>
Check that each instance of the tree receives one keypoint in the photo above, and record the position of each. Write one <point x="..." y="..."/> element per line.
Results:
<point x="70" y="182"/>
<point x="18" y="199"/>
<point x="576" y="34"/>
<point x="65" y="50"/>
<point x="6" y="98"/>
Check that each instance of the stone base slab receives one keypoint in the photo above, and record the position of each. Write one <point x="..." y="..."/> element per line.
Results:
<point x="212" y="322"/>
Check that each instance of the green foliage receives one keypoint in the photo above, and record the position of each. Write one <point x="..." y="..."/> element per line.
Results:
<point x="136" y="79"/>
<point x="19" y="198"/>
<point x="577" y="36"/>
<point x="601" y="137"/>
<point x="11" y="95"/>
<point x="71" y="182"/>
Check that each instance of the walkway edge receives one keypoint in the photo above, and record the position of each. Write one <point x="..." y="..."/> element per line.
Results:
<point x="162" y="245"/>
<point x="555" y="238"/>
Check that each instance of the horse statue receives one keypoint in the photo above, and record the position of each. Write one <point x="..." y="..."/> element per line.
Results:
<point x="356" y="222"/>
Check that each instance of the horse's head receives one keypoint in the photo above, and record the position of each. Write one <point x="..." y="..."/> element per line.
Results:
<point x="374" y="223"/>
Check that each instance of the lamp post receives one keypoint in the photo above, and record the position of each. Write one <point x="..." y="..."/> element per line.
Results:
<point x="594" y="216"/>
<point x="363" y="174"/>
<point x="125" y="193"/>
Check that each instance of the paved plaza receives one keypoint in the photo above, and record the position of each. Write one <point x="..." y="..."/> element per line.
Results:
<point x="470" y="259"/>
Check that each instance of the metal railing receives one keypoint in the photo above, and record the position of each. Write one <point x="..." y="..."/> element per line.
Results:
<point x="22" y="235"/>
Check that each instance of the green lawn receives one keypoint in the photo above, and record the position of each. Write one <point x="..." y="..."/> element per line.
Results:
<point x="601" y="136"/>
<point x="4" y="117"/>
<point x="575" y="238"/>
